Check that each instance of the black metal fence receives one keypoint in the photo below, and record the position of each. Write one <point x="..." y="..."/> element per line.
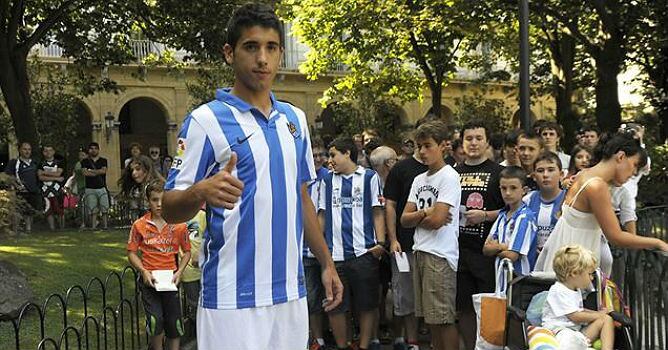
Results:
<point x="115" y="322"/>
<point x="107" y="316"/>
<point x="644" y="280"/>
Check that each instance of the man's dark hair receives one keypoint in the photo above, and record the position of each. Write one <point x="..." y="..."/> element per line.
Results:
<point x="511" y="138"/>
<point x="552" y="126"/>
<point x="456" y="143"/>
<point x="434" y="129"/>
<point x="317" y="143"/>
<point x="94" y="144"/>
<point x="591" y="128"/>
<point x="514" y="172"/>
<point x="475" y="124"/>
<point x="343" y="145"/>
<point x="250" y="15"/>
<point x="550" y="157"/>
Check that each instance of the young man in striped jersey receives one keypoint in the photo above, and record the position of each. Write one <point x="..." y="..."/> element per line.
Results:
<point x="248" y="156"/>
<point x="352" y="214"/>
<point x="546" y="201"/>
<point x="513" y="234"/>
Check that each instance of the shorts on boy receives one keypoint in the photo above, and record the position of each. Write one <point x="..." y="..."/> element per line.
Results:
<point x="97" y="200"/>
<point x="361" y="283"/>
<point x="163" y="312"/>
<point x="315" y="292"/>
<point x="55" y="205"/>
<point x="435" y="289"/>
<point x="402" y="287"/>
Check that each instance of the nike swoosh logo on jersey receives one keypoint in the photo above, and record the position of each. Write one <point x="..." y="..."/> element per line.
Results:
<point x="240" y="140"/>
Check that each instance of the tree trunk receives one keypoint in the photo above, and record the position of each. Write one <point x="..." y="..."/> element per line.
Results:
<point x="608" y="67"/>
<point x="15" y="86"/>
<point x="562" y="52"/>
<point x="436" y="92"/>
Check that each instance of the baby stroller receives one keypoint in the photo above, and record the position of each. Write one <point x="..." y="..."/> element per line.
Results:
<point x="521" y="289"/>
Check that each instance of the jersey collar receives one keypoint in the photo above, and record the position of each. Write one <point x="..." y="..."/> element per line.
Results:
<point x="224" y="95"/>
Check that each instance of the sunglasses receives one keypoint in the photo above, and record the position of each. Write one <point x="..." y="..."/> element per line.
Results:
<point x="155" y="152"/>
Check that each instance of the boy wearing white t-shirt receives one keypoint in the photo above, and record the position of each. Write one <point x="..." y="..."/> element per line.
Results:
<point x="564" y="313"/>
<point x="433" y="209"/>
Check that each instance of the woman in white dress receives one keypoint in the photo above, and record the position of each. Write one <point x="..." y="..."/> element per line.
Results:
<point x="587" y="211"/>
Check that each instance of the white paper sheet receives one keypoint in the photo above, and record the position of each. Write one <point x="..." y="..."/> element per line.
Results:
<point x="462" y="217"/>
<point x="402" y="262"/>
<point x="163" y="280"/>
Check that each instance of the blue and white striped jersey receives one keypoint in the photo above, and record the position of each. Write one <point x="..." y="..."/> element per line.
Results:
<point x="348" y="203"/>
<point x="252" y="254"/>
<point x="315" y="192"/>
<point x="519" y="233"/>
<point x="547" y="214"/>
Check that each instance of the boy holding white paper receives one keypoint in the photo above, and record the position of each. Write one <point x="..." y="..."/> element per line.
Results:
<point x="159" y="243"/>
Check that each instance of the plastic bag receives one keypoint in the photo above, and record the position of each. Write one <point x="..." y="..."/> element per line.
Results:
<point x="535" y="310"/>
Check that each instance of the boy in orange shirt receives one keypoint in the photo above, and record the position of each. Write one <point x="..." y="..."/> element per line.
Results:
<point x="159" y="244"/>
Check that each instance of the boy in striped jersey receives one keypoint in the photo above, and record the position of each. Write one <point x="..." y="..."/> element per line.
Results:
<point x="248" y="156"/>
<point x="546" y="201"/>
<point x="513" y="234"/>
<point x="435" y="197"/>
<point x="352" y="214"/>
<point x="312" y="271"/>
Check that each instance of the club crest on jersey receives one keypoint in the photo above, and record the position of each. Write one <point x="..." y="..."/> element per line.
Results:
<point x="293" y="129"/>
<point x="180" y="147"/>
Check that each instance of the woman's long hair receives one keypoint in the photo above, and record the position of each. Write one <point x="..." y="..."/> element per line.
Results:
<point x="128" y="185"/>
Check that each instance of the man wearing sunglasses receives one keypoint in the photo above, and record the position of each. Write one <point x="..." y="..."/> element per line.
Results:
<point x="154" y="154"/>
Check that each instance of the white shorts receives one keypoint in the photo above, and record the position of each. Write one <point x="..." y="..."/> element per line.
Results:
<point x="280" y="327"/>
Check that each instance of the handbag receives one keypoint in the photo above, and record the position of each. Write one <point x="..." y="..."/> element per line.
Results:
<point x="490" y="309"/>
<point x="70" y="201"/>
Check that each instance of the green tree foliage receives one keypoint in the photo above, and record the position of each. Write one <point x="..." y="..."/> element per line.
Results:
<point x="209" y="78"/>
<point x="381" y="115"/>
<point x="494" y="111"/>
<point x="650" y="51"/>
<point x="92" y="32"/>
<point x="605" y="29"/>
<point x="56" y="106"/>
<point x="393" y="49"/>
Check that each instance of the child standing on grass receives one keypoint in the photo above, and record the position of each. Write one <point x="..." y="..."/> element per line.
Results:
<point x="159" y="243"/>
<point x="513" y="234"/>
<point x="564" y="313"/>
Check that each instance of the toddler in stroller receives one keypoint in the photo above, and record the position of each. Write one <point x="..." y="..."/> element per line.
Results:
<point x="577" y="324"/>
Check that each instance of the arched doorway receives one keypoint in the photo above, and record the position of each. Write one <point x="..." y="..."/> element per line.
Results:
<point x="144" y="121"/>
<point x="446" y="113"/>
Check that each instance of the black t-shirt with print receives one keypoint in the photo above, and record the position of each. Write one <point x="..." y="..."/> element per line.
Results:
<point x="99" y="181"/>
<point x="480" y="191"/>
<point x="397" y="188"/>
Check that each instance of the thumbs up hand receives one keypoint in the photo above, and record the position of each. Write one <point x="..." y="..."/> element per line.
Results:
<point x="223" y="189"/>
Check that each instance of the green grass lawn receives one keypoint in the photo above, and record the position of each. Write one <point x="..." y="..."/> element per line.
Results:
<point x="55" y="261"/>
